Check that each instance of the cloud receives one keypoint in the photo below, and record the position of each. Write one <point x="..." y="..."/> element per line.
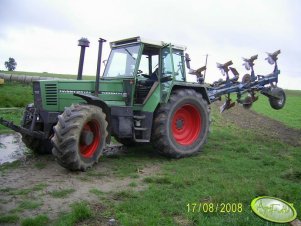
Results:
<point x="19" y="14"/>
<point x="39" y="29"/>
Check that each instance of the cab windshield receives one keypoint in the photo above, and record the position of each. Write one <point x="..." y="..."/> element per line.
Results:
<point x="122" y="61"/>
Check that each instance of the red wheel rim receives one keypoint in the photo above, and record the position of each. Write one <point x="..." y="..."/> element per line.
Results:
<point x="91" y="130"/>
<point x="186" y="124"/>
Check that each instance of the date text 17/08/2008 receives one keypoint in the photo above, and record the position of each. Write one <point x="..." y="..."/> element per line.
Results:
<point x="214" y="207"/>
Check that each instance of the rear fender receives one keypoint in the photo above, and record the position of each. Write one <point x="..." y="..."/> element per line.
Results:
<point x="200" y="89"/>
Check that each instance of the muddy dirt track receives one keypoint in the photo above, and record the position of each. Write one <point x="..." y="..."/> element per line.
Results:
<point x="52" y="177"/>
<point x="38" y="177"/>
<point x="263" y="125"/>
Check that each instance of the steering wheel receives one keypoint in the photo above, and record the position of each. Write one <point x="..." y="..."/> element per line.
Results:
<point x="140" y="72"/>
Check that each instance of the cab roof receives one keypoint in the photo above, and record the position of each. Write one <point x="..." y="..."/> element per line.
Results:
<point x="139" y="39"/>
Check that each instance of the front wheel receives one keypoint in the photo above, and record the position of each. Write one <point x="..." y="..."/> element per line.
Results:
<point x="181" y="126"/>
<point x="79" y="136"/>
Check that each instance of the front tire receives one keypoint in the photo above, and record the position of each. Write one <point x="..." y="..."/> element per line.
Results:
<point x="181" y="125"/>
<point x="79" y="137"/>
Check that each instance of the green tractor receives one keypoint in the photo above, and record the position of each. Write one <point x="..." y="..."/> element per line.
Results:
<point x="142" y="97"/>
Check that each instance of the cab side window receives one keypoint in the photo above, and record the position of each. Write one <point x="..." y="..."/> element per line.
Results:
<point x="166" y="63"/>
<point x="177" y="56"/>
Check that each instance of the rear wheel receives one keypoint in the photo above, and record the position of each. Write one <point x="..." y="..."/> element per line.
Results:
<point x="277" y="101"/>
<point x="181" y="126"/>
<point x="79" y="136"/>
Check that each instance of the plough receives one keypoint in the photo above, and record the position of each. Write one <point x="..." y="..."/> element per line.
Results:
<point x="250" y="84"/>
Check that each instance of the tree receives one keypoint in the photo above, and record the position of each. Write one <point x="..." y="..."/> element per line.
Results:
<point x="11" y="64"/>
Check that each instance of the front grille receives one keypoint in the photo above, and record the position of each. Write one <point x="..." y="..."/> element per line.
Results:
<point x="51" y="93"/>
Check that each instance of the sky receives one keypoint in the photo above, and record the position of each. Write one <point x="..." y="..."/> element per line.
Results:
<point x="42" y="35"/>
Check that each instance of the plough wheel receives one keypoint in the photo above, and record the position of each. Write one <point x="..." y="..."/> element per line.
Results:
<point x="248" y="102"/>
<point x="278" y="101"/>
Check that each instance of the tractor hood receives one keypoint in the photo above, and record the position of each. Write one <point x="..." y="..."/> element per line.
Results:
<point x="55" y="95"/>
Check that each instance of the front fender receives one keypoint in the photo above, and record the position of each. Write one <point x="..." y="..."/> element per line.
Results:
<point x="94" y="100"/>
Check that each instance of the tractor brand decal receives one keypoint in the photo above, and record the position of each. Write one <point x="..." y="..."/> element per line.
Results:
<point x="114" y="93"/>
<point x="273" y="209"/>
<point x="73" y="91"/>
<point x="89" y="92"/>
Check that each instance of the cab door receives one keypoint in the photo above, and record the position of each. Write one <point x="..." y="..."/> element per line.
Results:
<point x="167" y="72"/>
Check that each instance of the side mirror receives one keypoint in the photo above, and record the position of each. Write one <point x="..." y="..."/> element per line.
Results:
<point x="104" y="62"/>
<point x="187" y="60"/>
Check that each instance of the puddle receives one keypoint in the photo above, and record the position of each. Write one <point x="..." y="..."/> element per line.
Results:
<point x="11" y="147"/>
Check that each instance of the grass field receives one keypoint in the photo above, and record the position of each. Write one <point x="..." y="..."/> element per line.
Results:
<point x="14" y="95"/>
<point x="231" y="169"/>
<point x="290" y="115"/>
<point x="235" y="166"/>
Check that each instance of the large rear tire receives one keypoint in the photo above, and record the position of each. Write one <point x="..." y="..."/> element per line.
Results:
<point x="79" y="137"/>
<point x="38" y="146"/>
<point x="181" y="125"/>
<point x="277" y="102"/>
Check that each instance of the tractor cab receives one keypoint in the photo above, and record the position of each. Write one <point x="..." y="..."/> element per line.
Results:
<point x="145" y="67"/>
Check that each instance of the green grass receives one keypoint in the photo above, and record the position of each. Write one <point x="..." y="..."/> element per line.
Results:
<point x="97" y="192"/>
<point x="14" y="94"/>
<point x="235" y="167"/>
<point x="80" y="211"/>
<point x="289" y="115"/>
<point x="9" y="219"/>
<point x="14" y="115"/>
<point x="39" y="187"/>
<point x="29" y="205"/>
<point x="133" y="184"/>
<point x="10" y="166"/>
<point x="62" y="193"/>
<point x="40" y="165"/>
<point x="26" y="205"/>
<point x="23" y="191"/>
<point x="36" y="221"/>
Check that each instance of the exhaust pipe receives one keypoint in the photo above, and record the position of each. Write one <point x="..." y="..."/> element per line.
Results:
<point x="83" y="43"/>
<point x="101" y="41"/>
